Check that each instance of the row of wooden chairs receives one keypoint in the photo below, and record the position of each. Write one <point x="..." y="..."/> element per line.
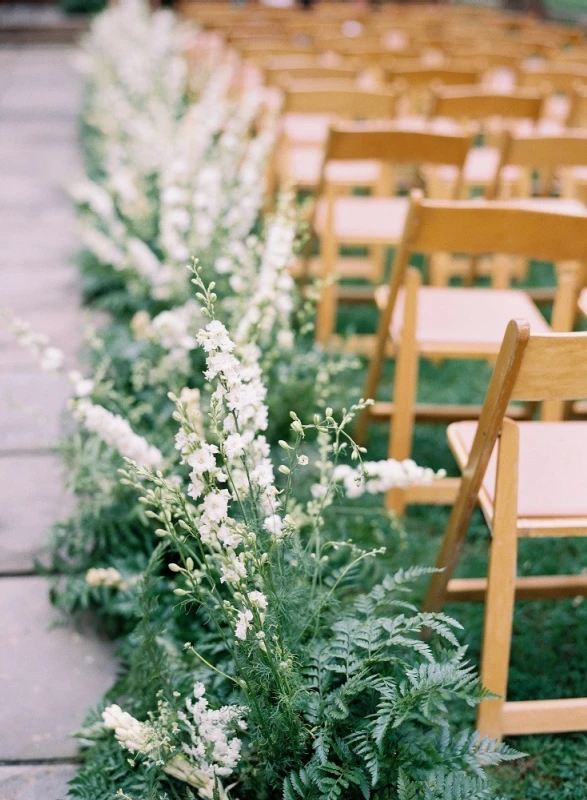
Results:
<point x="367" y="155"/>
<point x="526" y="474"/>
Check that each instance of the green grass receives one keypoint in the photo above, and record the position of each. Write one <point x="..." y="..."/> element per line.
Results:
<point x="549" y="648"/>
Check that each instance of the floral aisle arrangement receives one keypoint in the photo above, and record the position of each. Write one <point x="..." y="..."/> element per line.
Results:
<point x="264" y="654"/>
<point x="295" y="680"/>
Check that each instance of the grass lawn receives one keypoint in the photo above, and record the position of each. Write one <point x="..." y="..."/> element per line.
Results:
<point x="549" y="650"/>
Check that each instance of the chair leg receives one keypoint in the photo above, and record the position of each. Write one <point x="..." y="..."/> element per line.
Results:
<point x="439" y="269"/>
<point x="501" y="587"/>
<point x="327" y="304"/>
<point x="405" y="389"/>
<point x="378" y="254"/>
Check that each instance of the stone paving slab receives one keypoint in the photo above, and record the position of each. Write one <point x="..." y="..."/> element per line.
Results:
<point x="31" y="410"/>
<point x="26" y="190"/>
<point x="49" y="676"/>
<point x="49" y="234"/>
<point x="56" y="289"/>
<point x="62" y="327"/>
<point x="35" y="782"/>
<point x="32" y="496"/>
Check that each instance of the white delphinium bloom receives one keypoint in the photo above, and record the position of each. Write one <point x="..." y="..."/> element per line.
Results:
<point x="266" y="310"/>
<point x="214" y="748"/>
<point x="131" y="733"/>
<point x="207" y="739"/>
<point x="109" y="577"/>
<point x="237" y="468"/>
<point x="173" y="329"/>
<point x="243" y="624"/>
<point x="82" y="387"/>
<point x="375" y="477"/>
<point x="102" y="246"/>
<point x="116" y="432"/>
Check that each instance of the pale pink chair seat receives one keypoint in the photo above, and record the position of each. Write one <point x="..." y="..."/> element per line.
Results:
<point x="558" y="205"/>
<point x="552" y="471"/>
<point x="302" y="167"/>
<point x="464" y="319"/>
<point x="360" y="220"/>
<point x="557" y="107"/>
<point x="480" y="168"/>
<point x="583" y="302"/>
<point x="306" y="128"/>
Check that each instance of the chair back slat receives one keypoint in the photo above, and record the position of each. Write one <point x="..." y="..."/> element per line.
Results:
<point x="288" y="76"/>
<point x="554" y="367"/>
<point x="478" y="227"/>
<point x="480" y="104"/>
<point x="569" y="149"/>
<point x="384" y="142"/>
<point x="425" y="76"/>
<point x="342" y="98"/>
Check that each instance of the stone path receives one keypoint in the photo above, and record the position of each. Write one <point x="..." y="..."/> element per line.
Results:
<point x="49" y="674"/>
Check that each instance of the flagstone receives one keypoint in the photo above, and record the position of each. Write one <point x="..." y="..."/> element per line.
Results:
<point x="31" y="410"/>
<point x="35" y="782"/>
<point x="49" y="674"/>
<point x="32" y="497"/>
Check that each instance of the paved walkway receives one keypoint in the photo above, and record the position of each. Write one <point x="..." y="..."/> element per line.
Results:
<point x="49" y="675"/>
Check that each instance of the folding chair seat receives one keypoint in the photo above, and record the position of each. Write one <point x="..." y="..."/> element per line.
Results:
<point x="456" y="322"/>
<point x="529" y="479"/>
<point x="377" y="221"/>
<point x="356" y="220"/>
<point x="552" y="469"/>
<point x="462" y="320"/>
<point x="303" y="165"/>
<point x="306" y="129"/>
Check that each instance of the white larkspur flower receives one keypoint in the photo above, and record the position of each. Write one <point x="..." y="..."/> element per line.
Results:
<point x="257" y="599"/>
<point x="104" y="576"/>
<point x="215" y="337"/>
<point x="131" y="733"/>
<point x="116" y="432"/>
<point x="243" y="624"/>
<point x="234" y="445"/>
<point x="216" y="505"/>
<point x="274" y="525"/>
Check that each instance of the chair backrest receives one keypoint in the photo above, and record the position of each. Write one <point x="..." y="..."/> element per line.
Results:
<point x="418" y="75"/>
<point x="278" y="76"/>
<point x="471" y="103"/>
<point x="557" y="77"/>
<point x="343" y="98"/>
<point x="568" y="149"/>
<point x="381" y="141"/>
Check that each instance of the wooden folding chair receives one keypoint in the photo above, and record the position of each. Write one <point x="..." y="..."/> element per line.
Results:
<point x="557" y="79"/>
<point x="520" y="158"/>
<point x="309" y="108"/>
<point x="417" y="80"/>
<point x="490" y="113"/>
<point x="377" y="221"/>
<point x="529" y="479"/>
<point x="456" y="322"/>
<point x="478" y="105"/>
